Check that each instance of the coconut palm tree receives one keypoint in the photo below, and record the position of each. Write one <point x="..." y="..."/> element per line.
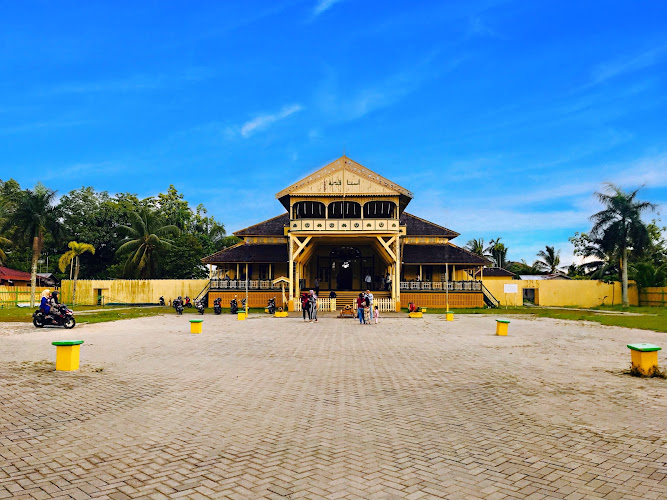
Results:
<point x="71" y="258"/>
<point x="497" y="251"/>
<point x="146" y="237"/>
<point x="476" y="246"/>
<point x="32" y="218"/>
<point x="550" y="260"/>
<point x="619" y="227"/>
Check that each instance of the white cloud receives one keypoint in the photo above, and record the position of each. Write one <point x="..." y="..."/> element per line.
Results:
<point x="636" y="62"/>
<point x="323" y="5"/>
<point x="263" y="121"/>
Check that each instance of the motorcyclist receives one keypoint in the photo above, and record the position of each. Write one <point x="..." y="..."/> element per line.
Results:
<point x="45" y="303"/>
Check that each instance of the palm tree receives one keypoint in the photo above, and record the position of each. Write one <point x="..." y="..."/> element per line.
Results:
<point x="497" y="251"/>
<point x="476" y="246"/>
<point x="550" y="260"/>
<point x="146" y="237"/>
<point x="32" y="219"/>
<point x="71" y="257"/>
<point x="619" y="227"/>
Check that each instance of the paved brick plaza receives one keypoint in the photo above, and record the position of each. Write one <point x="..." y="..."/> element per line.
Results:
<point x="273" y="408"/>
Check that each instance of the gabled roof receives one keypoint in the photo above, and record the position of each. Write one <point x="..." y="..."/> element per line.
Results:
<point x="495" y="271"/>
<point x="13" y="274"/>
<point x="440" y="254"/>
<point x="249" y="253"/>
<point x="334" y="188"/>
<point x="416" y="226"/>
<point x="270" y="227"/>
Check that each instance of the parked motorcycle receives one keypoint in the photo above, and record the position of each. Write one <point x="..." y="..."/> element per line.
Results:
<point x="272" y="305"/>
<point x="199" y="304"/>
<point x="187" y="302"/>
<point x="60" y="315"/>
<point x="161" y="301"/>
<point x="178" y="305"/>
<point x="234" y="306"/>
<point x="217" y="307"/>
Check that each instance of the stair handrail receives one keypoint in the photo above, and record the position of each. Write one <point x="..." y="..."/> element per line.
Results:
<point x="493" y="302"/>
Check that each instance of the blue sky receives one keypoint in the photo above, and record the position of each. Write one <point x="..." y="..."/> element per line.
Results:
<point x="502" y="117"/>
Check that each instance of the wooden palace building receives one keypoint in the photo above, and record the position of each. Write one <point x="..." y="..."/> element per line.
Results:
<point x="346" y="227"/>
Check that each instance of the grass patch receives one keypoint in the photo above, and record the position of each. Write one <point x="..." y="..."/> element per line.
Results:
<point x="106" y="313"/>
<point x="653" y="318"/>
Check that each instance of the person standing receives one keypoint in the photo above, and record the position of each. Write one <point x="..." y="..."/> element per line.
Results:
<point x="376" y="314"/>
<point x="367" y="312"/>
<point x="317" y="286"/>
<point x="313" y="306"/>
<point x="305" y="305"/>
<point x="369" y="296"/>
<point x="361" y="302"/>
<point x="368" y="280"/>
<point x="387" y="282"/>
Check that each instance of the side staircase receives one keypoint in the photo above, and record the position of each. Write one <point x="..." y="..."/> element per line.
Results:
<point x="489" y="299"/>
<point x="204" y="294"/>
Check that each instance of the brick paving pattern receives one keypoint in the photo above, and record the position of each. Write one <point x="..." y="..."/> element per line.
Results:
<point x="278" y="409"/>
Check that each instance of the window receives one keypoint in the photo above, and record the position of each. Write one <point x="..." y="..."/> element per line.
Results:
<point x="379" y="210"/>
<point x="344" y="210"/>
<point x="264" y="272"/>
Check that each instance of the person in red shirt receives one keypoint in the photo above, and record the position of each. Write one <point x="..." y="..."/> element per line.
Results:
<point x="305" y="305"/>
<point x="361" y="303"/>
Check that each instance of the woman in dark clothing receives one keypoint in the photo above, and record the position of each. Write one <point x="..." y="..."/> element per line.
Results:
<point x="361" y="303"/>
<point x="305" y="305"/>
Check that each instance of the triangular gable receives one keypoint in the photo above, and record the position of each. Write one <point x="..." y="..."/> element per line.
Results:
<point x="344" y="177"/>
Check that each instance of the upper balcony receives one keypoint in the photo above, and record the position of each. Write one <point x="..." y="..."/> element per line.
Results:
<point x="345" y="215"/>
<point x="345" y="225"/>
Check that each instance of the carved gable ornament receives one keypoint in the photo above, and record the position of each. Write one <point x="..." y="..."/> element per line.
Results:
<point x="344" y="177"/>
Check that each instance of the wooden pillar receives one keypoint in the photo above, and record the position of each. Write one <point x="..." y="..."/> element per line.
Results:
<point x="397" y="274"/>
<point x="237" y="272"/>
<point x="481" y="273"/>
<point x="270" y="271"/>
<point x="453" y="272"/>
<point x="290" y="272"/>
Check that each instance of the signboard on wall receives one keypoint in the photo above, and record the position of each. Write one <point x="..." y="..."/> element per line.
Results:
<point x="511" y="288"/>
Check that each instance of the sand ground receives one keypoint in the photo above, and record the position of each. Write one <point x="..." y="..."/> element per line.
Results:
<point x="278" y="408"/>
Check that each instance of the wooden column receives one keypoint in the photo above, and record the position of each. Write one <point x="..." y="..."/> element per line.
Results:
<point x="290" y="272"/>
<point x="397" y="274"/>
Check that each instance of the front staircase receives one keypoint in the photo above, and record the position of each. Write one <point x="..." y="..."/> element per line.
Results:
<point x="350" y="297"/>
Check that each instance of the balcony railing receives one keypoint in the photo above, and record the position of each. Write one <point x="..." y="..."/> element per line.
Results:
<point x="441" y="286"/>
<point x="352" y="225"/>
<point x="222" y="284"/>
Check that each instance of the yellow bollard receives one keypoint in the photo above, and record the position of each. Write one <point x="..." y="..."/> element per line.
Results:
<point x="242" y="315"/>
<point x="67" y="355"/>
<point x="415" y="314"/>
<point x="449" y="316"/>
<point x="501" y="326"/>
<point x="196" y="325"/>
<point x="280" y="314"/>
<point x="644" y="358"/>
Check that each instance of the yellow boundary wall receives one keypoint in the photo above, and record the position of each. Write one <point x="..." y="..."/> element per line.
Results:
<point x="581" y="293"/>
<point x="130" y="291"/>
<point x="655" y="296"/>
<point x="575" y="293"/>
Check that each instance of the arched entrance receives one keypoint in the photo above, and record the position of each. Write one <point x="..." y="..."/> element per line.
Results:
<point x="345" y="262"/>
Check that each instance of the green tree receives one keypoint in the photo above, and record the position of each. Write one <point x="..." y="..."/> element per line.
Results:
<point x="146" y="238"/>
<point x="33" y="218"/>
<point x="550" y="260"/>
<point x="619" y="228"/>
<point x="71" y="258"/>
<point x="476" y="246"/>
<point x="497" y="251"/>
